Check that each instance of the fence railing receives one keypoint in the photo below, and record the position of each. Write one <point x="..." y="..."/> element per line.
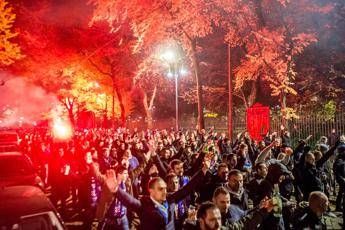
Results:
<point x="308" y="124"/>
<point x="314" y="125"/>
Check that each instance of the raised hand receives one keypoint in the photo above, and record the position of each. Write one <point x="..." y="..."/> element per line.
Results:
<point x="148" y="155"/>
<point x="239" y="135"/>
<point x="308" y="137"/>
<point x="111" y="180"/>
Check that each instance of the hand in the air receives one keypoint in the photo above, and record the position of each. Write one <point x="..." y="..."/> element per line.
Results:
<point x="111" y="180"/>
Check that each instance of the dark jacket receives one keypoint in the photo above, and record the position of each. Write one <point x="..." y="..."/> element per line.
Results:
<point x="306" y="219"/>
<point x="339" y="170"/>
<point x="311" y="175"/>
<point x="211" y="183"/>
<point x="250" y="221"/>
<point x="311" y="180"/>
<point x="253" y="190"/>
<point x="149" y="215"/>
<point x="241" y="202"/>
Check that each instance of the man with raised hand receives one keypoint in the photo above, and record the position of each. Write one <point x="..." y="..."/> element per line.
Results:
<point x="156" y="211"/>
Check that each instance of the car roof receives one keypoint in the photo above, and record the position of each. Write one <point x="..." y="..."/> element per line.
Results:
<point x="8" y="132"/>
<point x="19" y="201"/>
<point x="14" y="153"/>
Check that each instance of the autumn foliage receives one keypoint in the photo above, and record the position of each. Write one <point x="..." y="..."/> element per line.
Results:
<point x="66" y="48"/>
<point x="9" y="50"/>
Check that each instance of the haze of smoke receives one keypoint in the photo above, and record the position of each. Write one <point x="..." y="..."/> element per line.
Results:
<point x="23" y="101"/>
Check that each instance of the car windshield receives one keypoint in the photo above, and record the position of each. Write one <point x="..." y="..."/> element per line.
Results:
<point x="15" y="166"/>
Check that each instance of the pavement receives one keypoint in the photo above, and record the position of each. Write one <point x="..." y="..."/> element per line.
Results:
<point x="334" y="220"/>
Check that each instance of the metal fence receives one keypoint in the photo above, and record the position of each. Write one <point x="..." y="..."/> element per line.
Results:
<point x="308" y="124"/>
<point x="312" y="124"/>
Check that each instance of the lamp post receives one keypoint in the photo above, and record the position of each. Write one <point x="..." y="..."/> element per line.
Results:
<point x="175" y="70"/>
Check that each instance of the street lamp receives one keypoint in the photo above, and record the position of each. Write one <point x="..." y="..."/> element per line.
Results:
<point x="176" y="70"/>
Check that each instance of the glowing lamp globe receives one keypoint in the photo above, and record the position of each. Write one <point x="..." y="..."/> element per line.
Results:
<point x="169" y="56"/>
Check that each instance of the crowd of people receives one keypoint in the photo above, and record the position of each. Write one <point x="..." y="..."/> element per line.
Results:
<point x="166" y="179"/>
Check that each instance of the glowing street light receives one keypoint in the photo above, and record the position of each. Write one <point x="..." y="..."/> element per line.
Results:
<point x="183" y="71"/>
<point x="169" y="56"/>
<point x="170" y="74"/>
<point x="173" y="59"/>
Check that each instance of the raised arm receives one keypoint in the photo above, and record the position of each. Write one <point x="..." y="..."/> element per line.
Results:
<point x="128" y="200"/>
<point x="326" y="156"/>
<point x="197" y="165"/>
<point x="113" y="186"/>
<point x="178" y="155"/>
<point x="196" y="180"/>
<point x="163" y="171"/>
<point x="97" y="173"/>
<point x="264" y="153"/>
<point x="138" y="170"/>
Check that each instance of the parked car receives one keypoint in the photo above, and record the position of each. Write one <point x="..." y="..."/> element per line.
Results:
<point x="9" y="141"/>
<point x="9" y="138"/>
<point x="16" y="169"/>
<point x="27" y="207"/>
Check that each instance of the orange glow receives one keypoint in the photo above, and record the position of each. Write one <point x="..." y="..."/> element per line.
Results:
<point x="62" y="130"/>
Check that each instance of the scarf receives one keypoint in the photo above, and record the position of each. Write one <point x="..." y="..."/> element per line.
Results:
<point x="116" y="208"/>
<point x="163" y="209"/>
<point x="238" y="195"/>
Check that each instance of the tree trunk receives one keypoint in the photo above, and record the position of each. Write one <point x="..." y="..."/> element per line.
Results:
<point x="201" y="123"/>
<point x="149" y="107"/>
<point x="69" y="104"/>
<point x="105" y="113"/>
<point x="71" y="117"/>
<point x="122" y="107"/>
<point x="253" y="92"/>
<point x="230" y="93"/>
<point x="283" y="108"/>
<point x="260" y="23"/>
<point x="258" y="12"/>
<point x="113" y="105"/>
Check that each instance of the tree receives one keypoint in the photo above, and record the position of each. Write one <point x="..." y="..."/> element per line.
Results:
<point x="149" y="80"/>
<point x="271" y="42"/>
<point x="9" y="50"/>
<point x="321" y="67"/>
<point x="159" y="21"/>
<point x="62" y="65"/>
<point x="113" y="60"/>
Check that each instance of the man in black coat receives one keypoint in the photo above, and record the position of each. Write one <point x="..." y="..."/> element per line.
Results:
<point x="339" y="172"/>
<point x="213" y="182"/>
<point x="311" y="217"/>
<point x="254" y="185"/>
<point x="157" y="211"/>
<point x="311" y="173"/>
